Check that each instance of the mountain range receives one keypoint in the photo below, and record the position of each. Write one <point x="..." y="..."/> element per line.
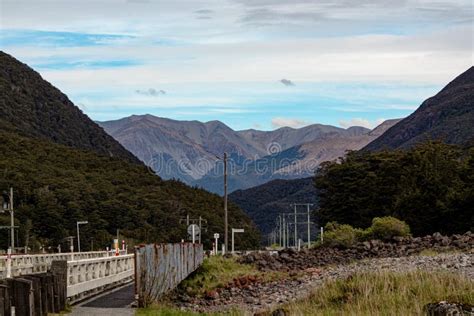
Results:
<point x="191" y="150"/>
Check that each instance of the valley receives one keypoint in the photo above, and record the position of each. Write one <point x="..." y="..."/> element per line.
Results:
<point x="236" y="157"/>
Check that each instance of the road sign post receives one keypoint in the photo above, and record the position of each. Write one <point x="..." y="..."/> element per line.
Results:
<point x="194" y="231"/>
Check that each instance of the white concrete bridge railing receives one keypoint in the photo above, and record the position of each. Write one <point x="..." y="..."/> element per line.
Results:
<point x="88" y="277"/>
<point x="38" y="263"/>
<point x="88" y="273"/>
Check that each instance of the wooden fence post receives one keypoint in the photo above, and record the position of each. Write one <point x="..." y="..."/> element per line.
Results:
<point x="22" y="297"/>
<point x="59" y="271"/>
<point x="4" y="298"/>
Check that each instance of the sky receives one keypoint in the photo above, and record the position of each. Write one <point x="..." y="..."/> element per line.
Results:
<point x="259" y="64"/>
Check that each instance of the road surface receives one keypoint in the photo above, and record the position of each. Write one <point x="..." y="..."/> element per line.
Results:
<point x="116" y="303"/>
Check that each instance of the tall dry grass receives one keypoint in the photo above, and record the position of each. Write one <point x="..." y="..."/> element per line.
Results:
<point x="385" y="293"/>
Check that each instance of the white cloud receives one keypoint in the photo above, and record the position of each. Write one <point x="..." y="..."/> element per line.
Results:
<point x="248" y="42"/>
<point x="357" y="121"/>
<point x="278" y="122"/>
<point x="151" y="92"/>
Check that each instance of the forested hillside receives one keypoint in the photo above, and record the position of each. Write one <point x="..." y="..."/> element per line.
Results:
<point x="31" y="106"/>
<point x="265" y="202"/>
<point x="55" y="186"/>
<point x="431" y="187"/>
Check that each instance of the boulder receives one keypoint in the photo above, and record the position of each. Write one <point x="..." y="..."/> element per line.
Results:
<point x="448" y="309"/>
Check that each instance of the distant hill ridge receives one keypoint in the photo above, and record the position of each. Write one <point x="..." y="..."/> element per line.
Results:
<point x="33" y="107"/>
<point x="448" y="117"/>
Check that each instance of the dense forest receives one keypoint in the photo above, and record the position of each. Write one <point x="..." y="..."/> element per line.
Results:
<point x="55" y="186"/>
<point x="430" y="186"/>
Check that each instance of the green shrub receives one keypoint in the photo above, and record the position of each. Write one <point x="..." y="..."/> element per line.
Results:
<point x="340" y="235"/>
<point x="385" y="228"/>
<point x="363" y="234"/>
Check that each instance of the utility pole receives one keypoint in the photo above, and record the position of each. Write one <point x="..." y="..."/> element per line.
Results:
<point x="308" y="223"/>
<point x="200" y="228"/>
<point x="284" y="235"/>
<point x="296" y="228"/>
<point x="226" y="237"/>
<point x="12" y="221"/>
<point x="7" y="205"/>
<point x="309" y="227"/>
<point x="279" y="226"/>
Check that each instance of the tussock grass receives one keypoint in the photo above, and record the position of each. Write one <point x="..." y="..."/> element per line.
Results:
<point x="385" y="293"/>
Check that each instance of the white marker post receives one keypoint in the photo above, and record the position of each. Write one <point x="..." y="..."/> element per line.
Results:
<point x="216" y="237"/>
<point x="322" y="235"/>
<point x="9" y="263"/>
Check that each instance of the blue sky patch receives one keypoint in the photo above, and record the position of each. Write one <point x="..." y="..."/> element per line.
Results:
<point x="93" y="64"/>
<point x="61" y="39"/>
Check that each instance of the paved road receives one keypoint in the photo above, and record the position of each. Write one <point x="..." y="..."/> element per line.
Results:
<point x="113" y="304"/>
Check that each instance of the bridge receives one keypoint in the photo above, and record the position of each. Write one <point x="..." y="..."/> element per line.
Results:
<point x="88" y="273"/>
<point x="92" y="273"/>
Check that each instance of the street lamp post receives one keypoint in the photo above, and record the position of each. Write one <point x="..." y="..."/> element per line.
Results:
<point x="78" y="237"/>
<point x="235" y="230"/>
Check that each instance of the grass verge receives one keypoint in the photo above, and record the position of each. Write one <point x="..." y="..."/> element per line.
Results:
<point x="385" y="293"/>
<point x="163" y="310"/>
<point x="216" y="272"/>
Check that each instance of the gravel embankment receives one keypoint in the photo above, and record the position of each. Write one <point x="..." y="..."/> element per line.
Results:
<point x="291" y="260"/>
<point x="254" y="296"/>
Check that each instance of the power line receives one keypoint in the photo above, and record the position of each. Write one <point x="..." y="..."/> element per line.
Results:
<point x="286" y="220"/>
